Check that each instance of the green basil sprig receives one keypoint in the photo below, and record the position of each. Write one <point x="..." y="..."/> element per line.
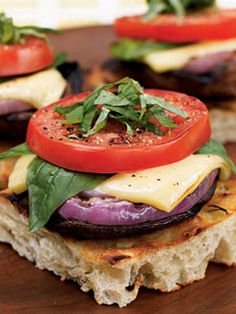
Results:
<point x="16" y="151"/>
<point x="119" y="101"/>
<point x="215" y="148"/>
<point x="177" y="7"/>
<point x="11" y="34"/>
<point x="60" y="58"/>
<point x="50" y="186"/>
<point x="134" y="50"/>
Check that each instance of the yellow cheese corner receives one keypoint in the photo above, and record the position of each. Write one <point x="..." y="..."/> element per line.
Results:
<point x="17" y="179"/>
<point x="39" y="89"/>
<point x="177" y="58"/>
<point x="166" y="186"/>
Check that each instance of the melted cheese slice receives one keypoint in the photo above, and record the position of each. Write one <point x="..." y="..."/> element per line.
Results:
<point x="17" y="179"/>
<point x="166" y="186"/>
<point x="39" y="89"/>
<point x="177" y="58"/>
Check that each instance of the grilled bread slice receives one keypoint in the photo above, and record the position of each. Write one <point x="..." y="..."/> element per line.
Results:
<point x="165" y="260"/>
<point x="223" y="117"/>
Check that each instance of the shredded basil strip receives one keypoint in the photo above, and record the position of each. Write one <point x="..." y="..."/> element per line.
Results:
<point x="16" y="151"/>
<point x="11" y="34"/>
<point x="49" y="186"/>
<point x="119" y="101"/>
<point x="177" y="7"/>
<point x="215" y="148"/>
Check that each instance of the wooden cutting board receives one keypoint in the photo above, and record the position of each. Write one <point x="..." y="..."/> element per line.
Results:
<point x="27" y="290"/>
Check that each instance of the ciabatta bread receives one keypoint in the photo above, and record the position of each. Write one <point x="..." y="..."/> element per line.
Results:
<point x="223" y="120"/>
<point x="115" y="269"/>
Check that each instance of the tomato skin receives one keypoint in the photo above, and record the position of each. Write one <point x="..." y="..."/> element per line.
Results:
<point x="32" y="55"/>
<point x="77" y="155"/>
<point x="208" y="25"/>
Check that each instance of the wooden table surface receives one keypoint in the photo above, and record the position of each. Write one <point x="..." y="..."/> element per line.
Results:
<point x="27" y="290"/>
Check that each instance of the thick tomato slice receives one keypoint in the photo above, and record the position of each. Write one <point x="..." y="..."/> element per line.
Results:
<point x="207" y="25"/>
<point x="112" y="150"/>
<point x="32" y="55"/>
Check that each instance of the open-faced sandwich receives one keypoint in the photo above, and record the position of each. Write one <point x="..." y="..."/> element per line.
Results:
<point x="30" y="75"/>
<point x="121" y="188"/>
<point x="186" y="46"/>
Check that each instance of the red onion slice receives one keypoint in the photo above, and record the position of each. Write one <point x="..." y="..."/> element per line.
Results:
<point x="13" y="105"/>
<point x="204" y="64"/>
<point x="110" y="211"/>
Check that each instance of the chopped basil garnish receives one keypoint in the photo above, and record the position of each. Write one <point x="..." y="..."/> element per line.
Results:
<point x="124" y="101"/>
<point x="11" y="34"/>
<point x="177" y="7"/>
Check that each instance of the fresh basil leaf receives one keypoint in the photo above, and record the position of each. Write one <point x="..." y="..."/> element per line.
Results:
<point x="166" y="121"/>
<point x="108" y="98"/>
<point x="39" y="30"/>
<point x="213" y="147"/>
<point x="129" y="129"/>
<point x="134" y="50"/>
<point x="16" y="151"/>
<point x="130" y="89"/>
<point x="133" y="115"/>
<point x="163" y="119"/>
<point x="89" y="101"/>
<point x="152" y="100"/>
<point x="60" y="58"/>
<point x="10" y="33"/>
<point x="65" y="110"/>
<point x="35" y="31"/>
<point x="151" y="127"/>
<point x="100" y="123"/>
<point x="74" y="137"/>
<point x="178" y="7"/>
<point x="154" y="8"/>
<point x="75" y="116"/>
<point x="88" y="120"/>
<point x="7" y="30"/>
<point x="50" y="186"/>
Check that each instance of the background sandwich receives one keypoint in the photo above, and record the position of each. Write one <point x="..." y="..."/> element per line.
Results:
<point x="187" y="46"/>
<point x="30" y="75"/>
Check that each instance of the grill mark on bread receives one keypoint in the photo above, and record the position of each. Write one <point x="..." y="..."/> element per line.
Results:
<point x="19" y="201"/>
<point x="113" y="260"/>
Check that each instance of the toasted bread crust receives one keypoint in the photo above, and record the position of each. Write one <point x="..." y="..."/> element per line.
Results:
<point x="223" y="117"/>
<point x="115" y="269"/>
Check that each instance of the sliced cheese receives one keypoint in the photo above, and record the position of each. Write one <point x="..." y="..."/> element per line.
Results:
<point x="166" y="186"/>
<point x="17" y="179"/>
<point x="177" y="58"/>
<point x="38" y="89"/>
